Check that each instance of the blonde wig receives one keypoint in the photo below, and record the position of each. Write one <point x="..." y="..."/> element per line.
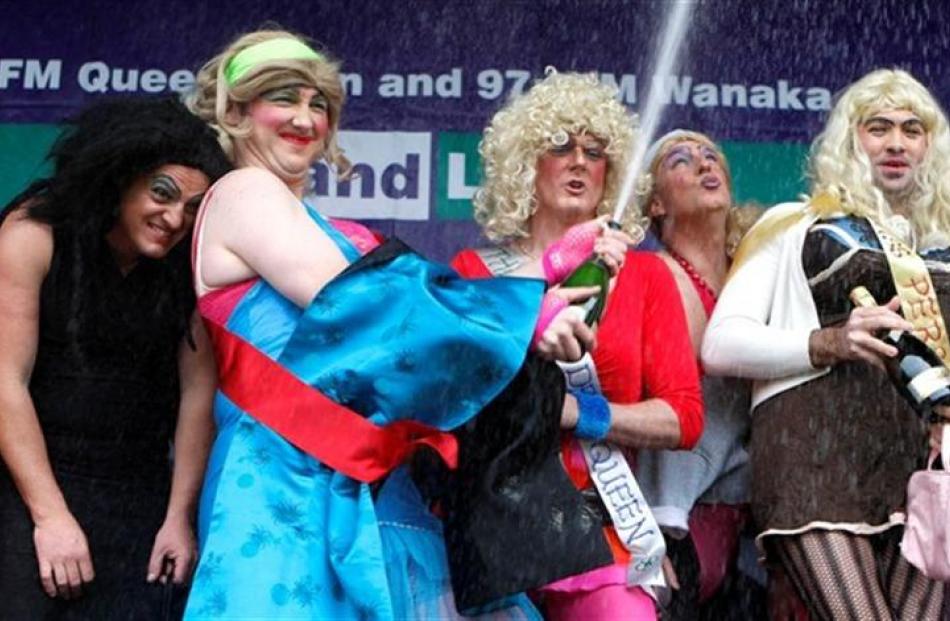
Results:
<point x="840" y="168"/>
<point x="215" y="100"/>
<point x="560" y="105"/>
<point x="841" y="173"/>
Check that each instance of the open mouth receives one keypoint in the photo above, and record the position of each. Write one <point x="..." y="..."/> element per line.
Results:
<point x="576" y="186"/>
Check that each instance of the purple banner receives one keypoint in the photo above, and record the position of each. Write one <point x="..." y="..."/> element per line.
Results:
<point x="760" y="71"/>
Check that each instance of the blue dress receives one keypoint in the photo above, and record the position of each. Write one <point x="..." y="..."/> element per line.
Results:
<point x="283" y="536"/>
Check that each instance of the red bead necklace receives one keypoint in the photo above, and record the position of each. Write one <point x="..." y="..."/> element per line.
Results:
<point x="707" y="294"/>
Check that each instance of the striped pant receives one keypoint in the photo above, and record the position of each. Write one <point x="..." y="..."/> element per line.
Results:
<point x="843" y="576"/>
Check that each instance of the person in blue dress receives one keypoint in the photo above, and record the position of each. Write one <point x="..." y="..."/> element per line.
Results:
<point x="337" y="358"/>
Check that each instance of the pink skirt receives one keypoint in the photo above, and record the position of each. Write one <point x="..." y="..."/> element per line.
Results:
<point x="607" y="603"/>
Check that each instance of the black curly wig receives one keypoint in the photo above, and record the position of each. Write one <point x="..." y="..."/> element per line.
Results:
<point x="109" y="145"/>
<point x="102" y="151"/>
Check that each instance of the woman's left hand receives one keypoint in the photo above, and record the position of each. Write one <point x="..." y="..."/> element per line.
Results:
<point x="174" y="552"/>
<point x="563" y="256"/>
<point x="561" y="333"/>
<point x="936" y="429"/>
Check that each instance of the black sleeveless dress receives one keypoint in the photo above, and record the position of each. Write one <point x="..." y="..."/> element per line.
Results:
<point x="105" y="389"/>
<point x="836" y="452"/>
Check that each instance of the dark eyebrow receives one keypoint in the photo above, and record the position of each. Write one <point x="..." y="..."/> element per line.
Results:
<point x="881" y="119"/>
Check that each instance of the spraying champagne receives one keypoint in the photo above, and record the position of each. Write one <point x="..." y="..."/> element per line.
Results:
<point x="594" y="271"/>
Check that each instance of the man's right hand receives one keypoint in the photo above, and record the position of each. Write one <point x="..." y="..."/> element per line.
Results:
<point x="63" y="555"/>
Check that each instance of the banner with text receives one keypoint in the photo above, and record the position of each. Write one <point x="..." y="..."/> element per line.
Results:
<point x="423" y="78"/>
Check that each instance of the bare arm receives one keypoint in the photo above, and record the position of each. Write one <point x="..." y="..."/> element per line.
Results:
<point x="648" y="424"/>
<point x="254" y="226"/>
<point x="174" y="551"/>
<point x="26" y="249"/>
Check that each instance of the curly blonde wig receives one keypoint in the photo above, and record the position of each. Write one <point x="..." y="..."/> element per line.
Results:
<point x="840" y="168"/>
<point x="213" y="98"/>
<point x="523" y="131"/>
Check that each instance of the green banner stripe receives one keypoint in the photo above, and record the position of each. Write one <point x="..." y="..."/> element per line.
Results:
<point x="22" y="149"/>
<point x="764" y="172"/>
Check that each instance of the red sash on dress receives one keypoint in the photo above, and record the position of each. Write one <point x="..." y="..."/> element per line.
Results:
<point x="334" y="434"/>
<point x="305" y="417"/>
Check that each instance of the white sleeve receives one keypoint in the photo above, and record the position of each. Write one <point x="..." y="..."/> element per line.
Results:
<point x="742" y="339"/>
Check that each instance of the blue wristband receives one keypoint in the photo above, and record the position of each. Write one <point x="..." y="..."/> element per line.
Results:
<point x="593" y="417"/>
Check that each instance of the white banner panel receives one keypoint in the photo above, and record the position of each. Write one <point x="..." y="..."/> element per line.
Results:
<point x="390" y="180"/>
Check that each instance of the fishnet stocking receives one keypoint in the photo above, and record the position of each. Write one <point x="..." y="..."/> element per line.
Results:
<point x="835" y="576"/>
<point x="842" y="576"/>
<point x="912" y="595"/>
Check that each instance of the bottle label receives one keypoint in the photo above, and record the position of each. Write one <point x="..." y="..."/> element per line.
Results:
<point x="928" y="382"/>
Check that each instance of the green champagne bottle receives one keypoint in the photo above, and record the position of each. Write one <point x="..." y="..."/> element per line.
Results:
<point x="592" y="273"/>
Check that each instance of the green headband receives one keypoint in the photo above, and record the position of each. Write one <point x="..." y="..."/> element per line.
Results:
<point x="274" y="49"/>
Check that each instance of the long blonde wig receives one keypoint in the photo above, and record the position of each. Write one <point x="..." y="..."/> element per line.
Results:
<point x="214" y="100"/>
<point x="841" y="169"/>
<point x="841" y="173"/>
<point x="523" y="130"/>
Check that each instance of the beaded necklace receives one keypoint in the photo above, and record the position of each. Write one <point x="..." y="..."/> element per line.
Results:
<point x="707" y="295"/>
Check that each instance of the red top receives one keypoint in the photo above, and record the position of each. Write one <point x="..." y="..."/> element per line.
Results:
<point x="643" y="347"/>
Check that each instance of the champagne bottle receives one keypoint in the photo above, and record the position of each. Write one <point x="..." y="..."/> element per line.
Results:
<point x="592" y="273"/>
<point x="917" y="372"/>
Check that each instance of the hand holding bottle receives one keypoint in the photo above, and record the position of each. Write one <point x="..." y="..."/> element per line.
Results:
<point x="582" y="242"/>
<point x="560" y="333"/>
<point x="611" y="246"/>
<point x="856" y="339"/>
<point x="919" y="375"/>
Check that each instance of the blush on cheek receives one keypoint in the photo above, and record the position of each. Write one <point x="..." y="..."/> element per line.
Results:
<point x="267" y="115"/>
<point x="547" y="167"/>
